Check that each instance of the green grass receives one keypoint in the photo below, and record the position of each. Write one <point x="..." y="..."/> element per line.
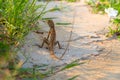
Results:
<point x="20" y="17"/>
<point x="71" y="0"/>
<point x="73" y="78"/>
<point x="17" y="19"/>
<point x="115" y="27"/>
<point x="100" y="5"/>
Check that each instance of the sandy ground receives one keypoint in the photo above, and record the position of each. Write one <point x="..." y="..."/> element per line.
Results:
<point x="87" y="42"/>
<point x="103" y="67"/>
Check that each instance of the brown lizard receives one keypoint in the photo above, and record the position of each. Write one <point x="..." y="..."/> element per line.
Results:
<point x="51" y="40"/>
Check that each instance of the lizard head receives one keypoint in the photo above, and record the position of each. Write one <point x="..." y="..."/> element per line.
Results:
<point x="50" y="23"/>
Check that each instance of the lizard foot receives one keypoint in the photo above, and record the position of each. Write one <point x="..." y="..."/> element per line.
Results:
<point x="37" y="45"/>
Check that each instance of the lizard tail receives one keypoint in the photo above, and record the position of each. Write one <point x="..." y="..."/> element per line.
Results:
<point x="54" y="56"/>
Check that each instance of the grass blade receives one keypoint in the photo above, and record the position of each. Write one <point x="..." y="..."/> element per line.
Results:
<point x="63" y="23"/>
<point x="72" y="78"/>
<point x="72" y="64"/>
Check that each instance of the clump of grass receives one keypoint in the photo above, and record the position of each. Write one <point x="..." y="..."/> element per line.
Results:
<point x="72" y="0"/>
<point x="17" y="19"/>
<point x="115" y="22"/>
<point x="4" y="52"/>
<point x="98" y="6"/>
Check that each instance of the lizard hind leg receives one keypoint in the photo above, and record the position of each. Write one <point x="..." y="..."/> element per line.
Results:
<point x="57" y="42"/>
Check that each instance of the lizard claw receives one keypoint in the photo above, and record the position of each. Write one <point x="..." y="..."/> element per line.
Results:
<point x="37" y="45"/>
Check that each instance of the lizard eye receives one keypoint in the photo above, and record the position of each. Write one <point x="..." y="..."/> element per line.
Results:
<point x="3" y="23"/>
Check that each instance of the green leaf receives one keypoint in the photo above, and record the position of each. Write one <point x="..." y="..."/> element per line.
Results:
<point x="72" y="64"/>
<point x="22" y="70"/>
<point x="72" y="78"/>
<point x="49" y="18"/>
<point x="4" y="49"/>
<point x="63" y="23"/>
<point x="29" y="79"/>
<point x="116" y="20"/>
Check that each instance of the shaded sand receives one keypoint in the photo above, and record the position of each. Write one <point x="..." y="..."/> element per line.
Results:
<point x="103" y="67"/>
<point x="87" y="42"/>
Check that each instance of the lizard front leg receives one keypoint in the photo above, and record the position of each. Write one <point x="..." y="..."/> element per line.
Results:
<point x="44" y="41"/>
<point x="49" y="33"/>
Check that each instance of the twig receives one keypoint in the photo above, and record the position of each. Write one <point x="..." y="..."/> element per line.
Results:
<point x="70" y="36"/>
